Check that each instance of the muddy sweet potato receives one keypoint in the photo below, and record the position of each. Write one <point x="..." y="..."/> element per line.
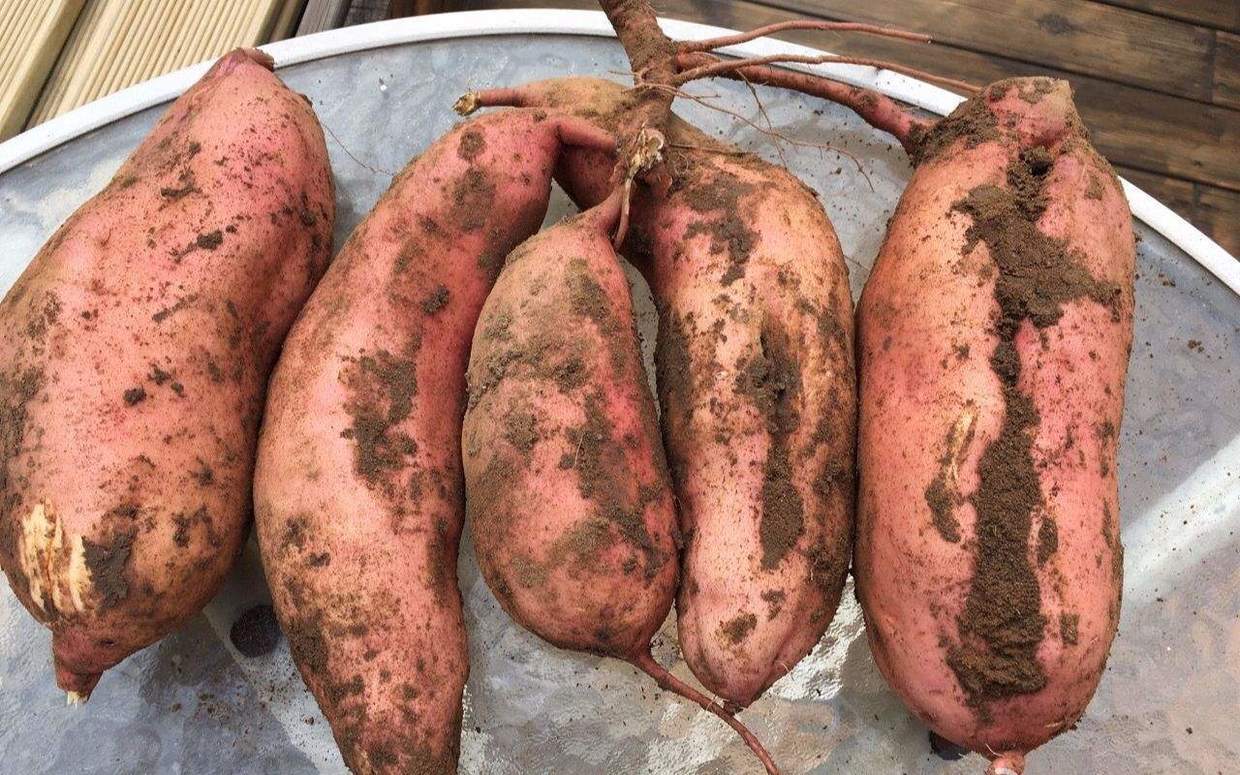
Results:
<point x="568" y="495"/>
<point x="134" y="355"/>
<point x="993" y="341"/>
<point x="567" y="489"/>
<point x="756" y="382"/>
<point x="358" y="489"/>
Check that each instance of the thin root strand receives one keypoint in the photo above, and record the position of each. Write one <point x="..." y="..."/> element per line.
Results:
<point x="724" y="66"/>
<point x="710" y="44"/>
<point x="645" y="662"/>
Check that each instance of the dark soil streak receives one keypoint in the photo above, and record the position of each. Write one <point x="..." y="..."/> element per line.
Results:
<point x="106" y="563"/>
<point x="1002" y="624"/>
<point x="772" y="381"/>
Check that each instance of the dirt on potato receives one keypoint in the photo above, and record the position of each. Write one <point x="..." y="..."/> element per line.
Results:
<point x="1002" y="624"/>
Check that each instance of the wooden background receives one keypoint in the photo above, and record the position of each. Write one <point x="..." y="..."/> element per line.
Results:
<point x="1157" y="81"/>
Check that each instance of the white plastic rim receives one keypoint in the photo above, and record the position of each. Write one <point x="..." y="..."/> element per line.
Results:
<point x="542" y="21"/>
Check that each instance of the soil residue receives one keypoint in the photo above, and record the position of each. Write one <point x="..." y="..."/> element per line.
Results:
<point x="436" y="300"/>
<point x="381" y="389"/>
<point x="472" y="144"/>
<point x="604" y="480"/>
<point x="972" y="122"/>
<point x="942" y="508"/>
<point x="17" y="390"/>
<point x="943" y="493"/>
<point x="107" y="562"/>
<point x="1048" y="539"/>
<point x="736" y="630"/>
<point x="774" y="599"/>
<point x="1068" y="628"/>
<point x="472" y="198"/>
<point x="771" y="379"/>
<point x="725" y="198"/>
<point x="255" y="632"/>
<point x="1002" y="623"/>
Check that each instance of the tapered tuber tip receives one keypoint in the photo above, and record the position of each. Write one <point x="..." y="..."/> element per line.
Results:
<point x="73" y="699"/>
<point x="75" y="682"/>
<point x="466" y="104"/>
<point x="1008" y="763"/>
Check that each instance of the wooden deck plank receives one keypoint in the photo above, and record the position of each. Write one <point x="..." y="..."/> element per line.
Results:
<point x="1219" y="14"/>
<point x="1092" y="39"/>
<point x="1227" y="69"/>
<point x="1220" y="211"/>
<point x="322" y="15"/>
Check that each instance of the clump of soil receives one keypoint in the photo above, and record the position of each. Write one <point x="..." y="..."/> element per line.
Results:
<point x="106" y="562"/>
<point x="771" y="379"/>
<point x="256" y="631"/>
<point x="737" y="629"/>
<point x="598" y="462"/>
<point x="972" y="121"/>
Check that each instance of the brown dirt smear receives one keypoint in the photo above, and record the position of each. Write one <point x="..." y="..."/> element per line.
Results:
<point x="727" y="200"/>
<point x="471" y="145"/>
<point x="771" y="379"/>
<point x="736" y="630"/>
<point x="1002" y="624"/>
<point x="599" y="461"/>
<point x="381" y="388"/>
<point x="472" y="197"/>
<point x="107" y="562"/>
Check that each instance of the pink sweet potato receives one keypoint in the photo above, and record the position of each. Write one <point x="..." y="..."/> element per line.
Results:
<point x="993" y="339"/>
<point x="134" y="355"/>
<point x="358" y="490"/>
<point x="756" y="383"/>
<point x="569" y="500"/>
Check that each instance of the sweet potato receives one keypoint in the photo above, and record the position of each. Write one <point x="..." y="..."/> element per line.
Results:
<point x="993" y="340"/>
<point x="567" y="489"/>
<point x="358" y="488"/>
<point x="756" y="382"/>
<point x="134" y="355"/>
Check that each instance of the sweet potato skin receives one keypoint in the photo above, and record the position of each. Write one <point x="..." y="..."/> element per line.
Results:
<point x="756" y="382"/>
<point x="358" y="490"/>
<point x="568" y="494"/>
<point x="940" y="452"/>
<point x="134" y="354"/>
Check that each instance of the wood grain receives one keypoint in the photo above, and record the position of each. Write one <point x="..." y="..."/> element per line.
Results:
<point x="1227" y="69"/>
<point x="118" y="43"/>
<point x="1219" y="14"/>
<point x="1093" y="39"/>
<point x="31" y="35"/>
<point x="322" y="15"/>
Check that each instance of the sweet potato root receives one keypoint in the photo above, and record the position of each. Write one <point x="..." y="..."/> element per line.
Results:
<point x="134" y="355"/>
<point x="988" y="558"/>
<point x="358" y="488"/>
